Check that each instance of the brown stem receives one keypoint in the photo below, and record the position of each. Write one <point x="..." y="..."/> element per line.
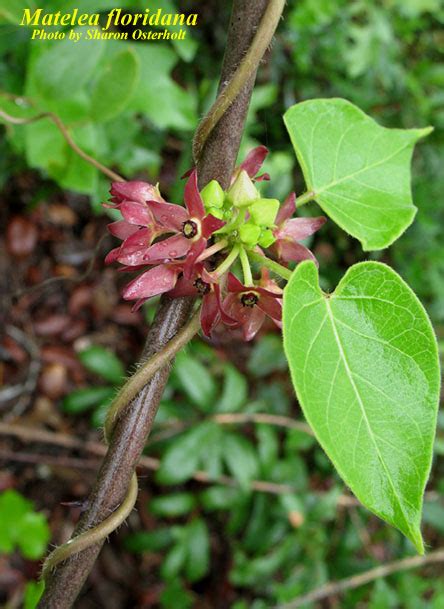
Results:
<point x="15" y="120"/>
<point x="350" y="583"/>
<point x="216" y="162"/>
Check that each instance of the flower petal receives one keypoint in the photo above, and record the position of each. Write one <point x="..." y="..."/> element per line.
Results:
<point x="158" y="280"/>
<point x="271" y="306"/>
<point x="234" y="309"/>
<point x="169" y="215"/>
<point x="183" y="287"/>
<point x="253" y="323"/>
<point x="287" y="209"/>
<point x="135" y="191"/>
<point x="254" y="160"/>
<point x="195" y="251"/>
<point x="234" y="285"/>
<point x="210" y="313"/>
<point x="173" y="247"/>
<point x="122" y="229"/>
<point x="226" y="318"/>
<point x="300" y="228"/>
<point x="112" y="256"/>
<point x="134" y="247"/>
<point x="210" y="225"/>
<point x="135" y="213"/>
<point x="265" y="177"/>
<point x="193" y="200"/>
<point x="292" y="251"/>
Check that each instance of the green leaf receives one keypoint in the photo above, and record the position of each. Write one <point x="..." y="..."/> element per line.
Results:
<point x="103" y="362"/>
<point x="174" y="561"/>
<point x="83" y="399"/>
<point x="241" y="459"/>
<point x="198" y="544"/>
<point x="46" y="149"/>
<point x="171" y="506"/>
<point x="358" y="171"/>
<point x="34" y="535"/>
<point x="267" y="356"/>
<point x="365" y="367"/>
<point x="166" y="104"/>
<point x="13" y="508"/>
<point x="234" y="392"/>
<point x="64" y="66"/>
<point x="11" y="11"/>
<point x="182" y="457"/>
<point x="22" y="526"/>
<point x="195" y="380"/>
<point x="115" y="85"/>
<point x="33" y="592"/>
<point x="149" y="541"/>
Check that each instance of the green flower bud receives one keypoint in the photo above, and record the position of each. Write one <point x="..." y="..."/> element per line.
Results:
<point x="249" y="233"/>
<point x="243" y="192"/>
<point x="217" y="213"/>
<point x="213" y="195"/>
<point x="263" y="212"/>
<point x="267" y="238"/>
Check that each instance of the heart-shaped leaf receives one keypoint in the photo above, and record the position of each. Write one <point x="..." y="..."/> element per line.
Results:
<point x="358" y="171"/>
<point x="115" y="86"/>
<point x="364" y="363"/>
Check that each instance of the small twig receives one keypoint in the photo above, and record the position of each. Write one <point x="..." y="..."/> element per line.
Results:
<point x="15" y="120"/>
<point x="350" y="583"/>
<point x="172" y="428"/>
<point x="248" y="66"/>
<point x="150" y="463"/>
<point x="51" y="460"/>
<point x="53" y="280"/>
<point x="256" y="417"/>
<point x="9" y="392"/>
<point x="31" y="434"/>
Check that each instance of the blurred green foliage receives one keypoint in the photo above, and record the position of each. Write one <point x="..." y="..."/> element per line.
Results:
<point x="134" y="107"/>
<point x="22" y="528"/>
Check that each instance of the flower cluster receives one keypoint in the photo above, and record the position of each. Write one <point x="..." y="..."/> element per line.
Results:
<point x="196" y="250"/>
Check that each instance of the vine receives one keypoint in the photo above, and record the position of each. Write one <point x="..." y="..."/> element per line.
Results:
<point x="244" y="72"/>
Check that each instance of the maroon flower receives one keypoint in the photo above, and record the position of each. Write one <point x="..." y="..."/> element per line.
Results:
<point x="252" y="164"/>
<point x="290" y="231"/>
<point x="202" y="284"/>
<point x="157" y="280"/>
<point x="139" y="192"/>
<point x="191" y="225"/>
<point x="138" y="228"/>
<point x="249" y="305"/>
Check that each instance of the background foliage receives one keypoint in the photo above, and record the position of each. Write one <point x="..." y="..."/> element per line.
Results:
<point x="134" y="107"/>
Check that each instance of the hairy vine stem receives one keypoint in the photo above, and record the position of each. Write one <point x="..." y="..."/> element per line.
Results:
<point x="128" y="392"/>
<point x="248" y="66"/>
<point x="245" y="52"/>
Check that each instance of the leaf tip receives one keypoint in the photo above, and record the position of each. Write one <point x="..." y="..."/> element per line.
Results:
<point x="425" y="131"/>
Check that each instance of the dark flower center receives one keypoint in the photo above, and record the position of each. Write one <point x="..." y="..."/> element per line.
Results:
<point x="202" y="287"/>
<point x="249" y="299"/>
<point x="189" y="229"/>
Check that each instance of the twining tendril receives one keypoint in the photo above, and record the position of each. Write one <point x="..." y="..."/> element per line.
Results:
<point x="128" y="392"/>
